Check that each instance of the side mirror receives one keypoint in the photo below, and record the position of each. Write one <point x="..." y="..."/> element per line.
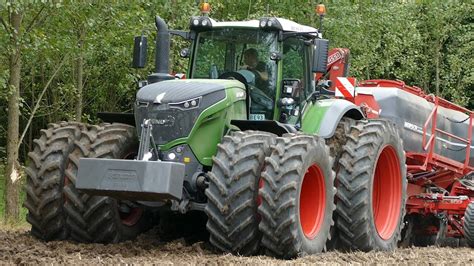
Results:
<point x="139" y="52"/>
<point x="320" y="56"/>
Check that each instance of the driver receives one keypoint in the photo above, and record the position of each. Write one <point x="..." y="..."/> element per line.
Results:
<point x="259" y="68"/>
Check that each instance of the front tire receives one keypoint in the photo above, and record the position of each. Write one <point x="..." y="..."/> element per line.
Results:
<point x="371" y="192"/>
<point x="233" y="191"/>
<point x="45" y="181"/>
<point x="297" y="197"/>
<point x="98" y="218"/>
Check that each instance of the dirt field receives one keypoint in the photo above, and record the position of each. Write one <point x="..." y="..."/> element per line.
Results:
<point x="18" y="247"/>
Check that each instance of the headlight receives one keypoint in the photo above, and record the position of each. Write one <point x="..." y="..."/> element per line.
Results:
<point x="270" y="24"/>
<point x="188" y="104"/>
<point x="200" y="23"/>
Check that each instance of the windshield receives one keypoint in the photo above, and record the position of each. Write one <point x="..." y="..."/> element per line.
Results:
<point x="240" y="54"/>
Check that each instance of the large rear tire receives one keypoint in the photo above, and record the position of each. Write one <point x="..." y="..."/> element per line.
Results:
<point x="45" y="180"/>
<point x="297" y="197"/>
<point x="469" y="224"/>
<point x="371" y="192"/>
<point x="97" y="218"/>
<point x="233" y="191"/>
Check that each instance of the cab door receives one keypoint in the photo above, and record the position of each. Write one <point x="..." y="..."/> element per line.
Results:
<point x="296" y="78"/>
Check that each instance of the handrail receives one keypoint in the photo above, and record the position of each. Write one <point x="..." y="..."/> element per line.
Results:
<point x="452" y="135"/>
<point x="430" y="118"/>
<point x="430" y="144"/>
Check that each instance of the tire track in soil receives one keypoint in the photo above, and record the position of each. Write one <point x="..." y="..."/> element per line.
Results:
<point x="19" y="247"/>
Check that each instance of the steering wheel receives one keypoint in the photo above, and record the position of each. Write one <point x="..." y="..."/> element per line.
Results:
<point x="234" y="75"/>
<point x="260" y="102"/>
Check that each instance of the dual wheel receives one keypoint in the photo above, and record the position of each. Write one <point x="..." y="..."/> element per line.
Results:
<point x="56" y="210"/>
<point x="279" y="193"/>
<point x="285" y="206"/>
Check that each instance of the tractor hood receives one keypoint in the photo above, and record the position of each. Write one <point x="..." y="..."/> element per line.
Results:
<point x="174" y="91"/>
<point x="174" y="106"/>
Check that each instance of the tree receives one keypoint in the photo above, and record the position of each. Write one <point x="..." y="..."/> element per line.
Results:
<point x="12" y="184"/>
<point x="13" y="25"/>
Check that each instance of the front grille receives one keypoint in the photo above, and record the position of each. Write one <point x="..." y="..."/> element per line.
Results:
<point x="168" y="123"/>
<point x="173" y="118"/>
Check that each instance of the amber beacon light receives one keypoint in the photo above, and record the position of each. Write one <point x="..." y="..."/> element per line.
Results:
<point x="320" y="10"/>
<point x="205" y="8"/>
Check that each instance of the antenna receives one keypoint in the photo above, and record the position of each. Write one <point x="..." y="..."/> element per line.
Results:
<point x="268" y="10"/>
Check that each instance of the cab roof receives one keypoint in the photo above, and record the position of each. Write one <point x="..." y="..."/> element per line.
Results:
<point x="286" y="25"/>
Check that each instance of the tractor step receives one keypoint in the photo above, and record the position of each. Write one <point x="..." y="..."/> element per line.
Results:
<point x="131" y="180"/>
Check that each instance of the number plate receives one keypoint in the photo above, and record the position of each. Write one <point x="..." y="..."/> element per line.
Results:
<point x="257" y="117"/>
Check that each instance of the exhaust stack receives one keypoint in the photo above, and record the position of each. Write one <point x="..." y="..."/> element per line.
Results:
<point x="162" y="53"/>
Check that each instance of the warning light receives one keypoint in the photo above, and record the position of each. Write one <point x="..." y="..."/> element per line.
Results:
<point x="320" y="10"/>
<point x="187" y="160"/>
<point x="205" y="8"/>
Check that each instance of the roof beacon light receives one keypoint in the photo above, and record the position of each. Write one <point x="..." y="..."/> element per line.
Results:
<point x="320" y="10"/>
<point x="205" y="8"/>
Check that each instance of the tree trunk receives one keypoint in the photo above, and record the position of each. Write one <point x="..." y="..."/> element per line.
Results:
<point x="80" y="73"/>
<point x="12" y="177"/>
<point x="33" y="94"/>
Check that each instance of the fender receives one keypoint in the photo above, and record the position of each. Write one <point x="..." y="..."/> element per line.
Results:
<point x="323" y="116"/>
<point x="271" y="126"/>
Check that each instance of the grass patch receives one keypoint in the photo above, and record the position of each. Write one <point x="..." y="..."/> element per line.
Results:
<point x="23" y="211"/>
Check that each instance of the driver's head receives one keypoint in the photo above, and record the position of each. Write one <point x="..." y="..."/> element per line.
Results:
<point x="251" y="57"/>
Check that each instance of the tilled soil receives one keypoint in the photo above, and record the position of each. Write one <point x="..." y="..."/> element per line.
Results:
<point x="19" y="247"/>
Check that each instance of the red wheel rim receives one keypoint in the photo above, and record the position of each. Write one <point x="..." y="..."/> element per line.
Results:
<point x="312" y="201"/>
<point x="387" y="193"/>
<point x="132" y="217"/>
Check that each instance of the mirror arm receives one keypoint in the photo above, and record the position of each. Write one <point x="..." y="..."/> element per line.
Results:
<point x="187" y="35"/>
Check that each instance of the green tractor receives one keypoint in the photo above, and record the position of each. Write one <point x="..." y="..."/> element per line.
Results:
<point x="249" y="139"/>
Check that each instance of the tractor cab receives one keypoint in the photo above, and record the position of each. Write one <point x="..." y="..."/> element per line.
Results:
<point x="272" y="57"/>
